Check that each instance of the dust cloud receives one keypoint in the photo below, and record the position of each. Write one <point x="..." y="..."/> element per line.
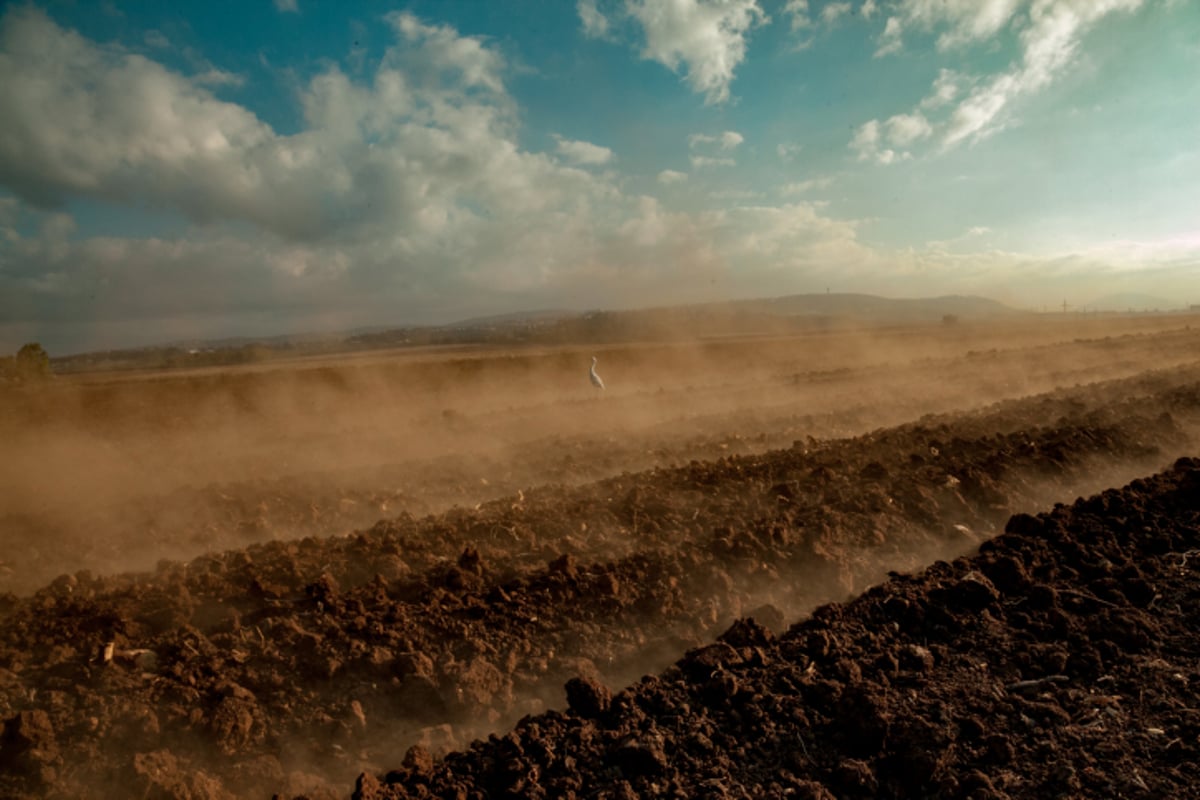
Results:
<point x="112" y="472"/>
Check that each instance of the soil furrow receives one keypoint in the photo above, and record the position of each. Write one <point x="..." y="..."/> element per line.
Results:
<point x="291" y="666"/>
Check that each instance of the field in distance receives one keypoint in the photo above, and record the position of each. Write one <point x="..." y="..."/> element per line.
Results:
<point x="114" y="471"/>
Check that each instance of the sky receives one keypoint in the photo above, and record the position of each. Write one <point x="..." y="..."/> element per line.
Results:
<point x="177" y="171"/>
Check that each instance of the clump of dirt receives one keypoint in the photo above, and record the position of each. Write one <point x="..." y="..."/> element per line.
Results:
<point x="1060" y="661"/>
<point x="291" y="666"/>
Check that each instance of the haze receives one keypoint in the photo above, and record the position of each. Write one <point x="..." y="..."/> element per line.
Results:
<point x="110" y="471"/>
<point x="186" y="171"/>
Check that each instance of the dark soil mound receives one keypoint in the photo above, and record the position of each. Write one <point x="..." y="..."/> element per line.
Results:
<point x="1061" y="661"/>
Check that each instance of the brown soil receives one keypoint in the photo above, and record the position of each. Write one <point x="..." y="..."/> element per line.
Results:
<point x="293" y="665"/>
<point x="1060" y="661"/>
<point x="113" y="472"/>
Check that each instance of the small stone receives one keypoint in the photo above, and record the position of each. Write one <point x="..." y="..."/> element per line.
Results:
<point x="565" y="565"/>
<point x="587" y="697"/>
<point x="356" y="710"/>
<point x="640" y="757"/>
<point x="418" y="761"/>
<point x="915" y="658"/>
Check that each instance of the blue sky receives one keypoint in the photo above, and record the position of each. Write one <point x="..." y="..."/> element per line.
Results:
<point x="184" y="170"/>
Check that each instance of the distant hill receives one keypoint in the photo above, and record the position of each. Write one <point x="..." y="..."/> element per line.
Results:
<point x="1133" y="301"/>
<point x="518" y="317"/>
<point x="881" y="309"/>
<point x="768" y="316"/>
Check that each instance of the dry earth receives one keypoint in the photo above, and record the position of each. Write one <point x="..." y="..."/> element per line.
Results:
<point x="1061" y="661"/>
<point x="613" y="536"/>
<point x="171" y="465"/>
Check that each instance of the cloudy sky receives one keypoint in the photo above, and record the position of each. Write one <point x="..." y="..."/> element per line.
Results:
<point x="179" y="170"/>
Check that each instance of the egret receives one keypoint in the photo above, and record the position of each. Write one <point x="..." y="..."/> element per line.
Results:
<point x="599" y="384"/>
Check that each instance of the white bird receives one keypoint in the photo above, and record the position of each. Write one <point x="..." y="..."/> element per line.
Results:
<point x="599" y="384"/>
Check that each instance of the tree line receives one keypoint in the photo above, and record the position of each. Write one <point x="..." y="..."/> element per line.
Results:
<point x="31" y="363"/>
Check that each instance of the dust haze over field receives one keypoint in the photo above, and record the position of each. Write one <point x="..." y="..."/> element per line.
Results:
<point x="514" y="527"/>
<point x="175" y="464"/>
<point x="351" y="503"/>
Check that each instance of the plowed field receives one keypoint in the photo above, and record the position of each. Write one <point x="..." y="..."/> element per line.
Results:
<point x="276" y="581"/>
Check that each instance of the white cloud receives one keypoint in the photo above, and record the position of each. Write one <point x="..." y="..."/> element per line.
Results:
<point x="945" y="89"/>
<point x="904" y="129"/>
<point x="868" y="9"/>
<point x="409" y="151"/>
<point x="868" y="144"/>
<point x="710" y="147"/>
<point x="798" y="11"/>
<point x="734" y="194"/>
<point x="402" y="192"/>
<point x="965" y="21"/>
<point x="1031" y="279"/>
<point x="1050" y="43"/>
<point x="218" y="77"/>
<point x="631" y="252"/>
<point x="872" y="139"/>
<point x="287" y="6"/>
<point x="725" y="141"/>
<point x="441" y="47"/>
<point x="788" y="150"/>
<point x="95" y="121"/>
<point x="978" y="20"/>
<point x="829" y="16"/>
<point x="705" y="37"/>
<point x="731" y="139"/>
<point x="669" y="176"/>
<point x="700" y="162"/>
<point x="977" y="115"/>
<point x="595" y="24"/>
<point x="792" y="236"/>
<point x="968" y="237"/>
<point x="156" y="39"/>
<point x="583" y="152"/>
<point x="866" y="139"/>
<point x="891" y="40"/>
<point x="1173" y="249"/>
<point x="832" y="12"/>
<point x="804" y="187"/>
<point x="1050" y="36"/>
